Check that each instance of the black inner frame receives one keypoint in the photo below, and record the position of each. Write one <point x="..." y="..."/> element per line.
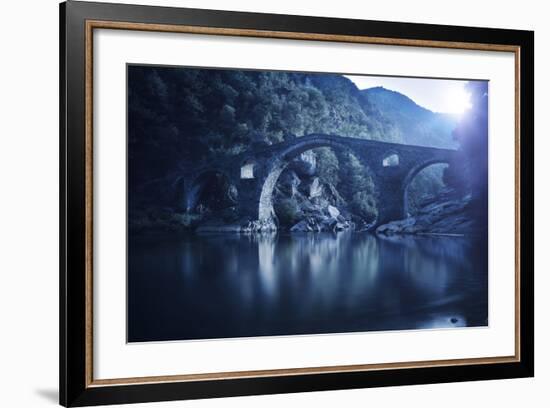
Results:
<point x="73" y="390"/>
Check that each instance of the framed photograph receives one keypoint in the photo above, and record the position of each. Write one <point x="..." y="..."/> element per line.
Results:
<point x="256" y="203"/>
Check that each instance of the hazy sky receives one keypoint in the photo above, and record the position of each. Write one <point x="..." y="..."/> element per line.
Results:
<point x="437" y="95"/>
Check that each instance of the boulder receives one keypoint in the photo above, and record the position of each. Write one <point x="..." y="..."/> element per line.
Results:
<point x="320" y="223"/>
<point x="288" y="184"/>
<point x="315" y="188"/>
<point x="302" y="226"/>
<point x="333" y="212"/>
<point x="333" y="196"/>
<point x="259" y="226"/>
<point x="340" y="226"/>
<point x="406" y="226"/>
<point x="305" y="164"/>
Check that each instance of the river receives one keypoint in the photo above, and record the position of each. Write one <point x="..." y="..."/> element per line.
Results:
<point x="236" y="285"/>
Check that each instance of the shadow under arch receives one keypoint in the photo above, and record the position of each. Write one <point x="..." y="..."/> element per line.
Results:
<point x="211" y="188"/>
<point x="280" y="163"/>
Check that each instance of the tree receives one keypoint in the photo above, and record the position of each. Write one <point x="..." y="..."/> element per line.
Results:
<point x="288" y="211"/>
<point x="352" y="175"/>
<point x="363" y="205"/>
<point x="327" y="166"/>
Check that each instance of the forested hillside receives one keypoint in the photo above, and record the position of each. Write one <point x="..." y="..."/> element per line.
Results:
<point x="415" y="124"/>
<point x="178" y="117"/>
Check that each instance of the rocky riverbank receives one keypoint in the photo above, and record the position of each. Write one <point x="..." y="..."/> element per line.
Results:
<point x="445" y="213"/>
<point x="317" y="208"/>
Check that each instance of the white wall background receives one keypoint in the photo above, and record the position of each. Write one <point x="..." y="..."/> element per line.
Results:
<point x="29" y="202"/>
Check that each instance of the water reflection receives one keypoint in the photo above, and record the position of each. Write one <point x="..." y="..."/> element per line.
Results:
<point x="225" y="285"/>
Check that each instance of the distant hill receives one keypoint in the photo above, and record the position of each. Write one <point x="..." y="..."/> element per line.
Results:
<point x="416" y="125"/>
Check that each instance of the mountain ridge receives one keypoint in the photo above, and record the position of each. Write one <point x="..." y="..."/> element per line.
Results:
<point x="414" y="121"/>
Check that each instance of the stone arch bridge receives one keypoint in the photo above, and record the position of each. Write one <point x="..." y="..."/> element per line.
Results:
<point x="254" y="173"/>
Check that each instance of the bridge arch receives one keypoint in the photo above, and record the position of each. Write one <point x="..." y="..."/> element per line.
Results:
<point x="279" y="163"/>
<point x="412" y="173"/>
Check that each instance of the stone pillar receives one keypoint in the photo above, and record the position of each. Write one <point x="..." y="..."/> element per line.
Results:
<point x="391" y="205"/>
<point x="249" y="191"/>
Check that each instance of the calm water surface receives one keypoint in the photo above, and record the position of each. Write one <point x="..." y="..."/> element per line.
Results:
<point x="231" y="285"/>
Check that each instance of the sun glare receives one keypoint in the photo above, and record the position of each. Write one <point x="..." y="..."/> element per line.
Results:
<point x="458" y="101"/>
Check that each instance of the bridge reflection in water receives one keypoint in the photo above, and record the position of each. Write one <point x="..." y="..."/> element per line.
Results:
<point x="219" y="286"/>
